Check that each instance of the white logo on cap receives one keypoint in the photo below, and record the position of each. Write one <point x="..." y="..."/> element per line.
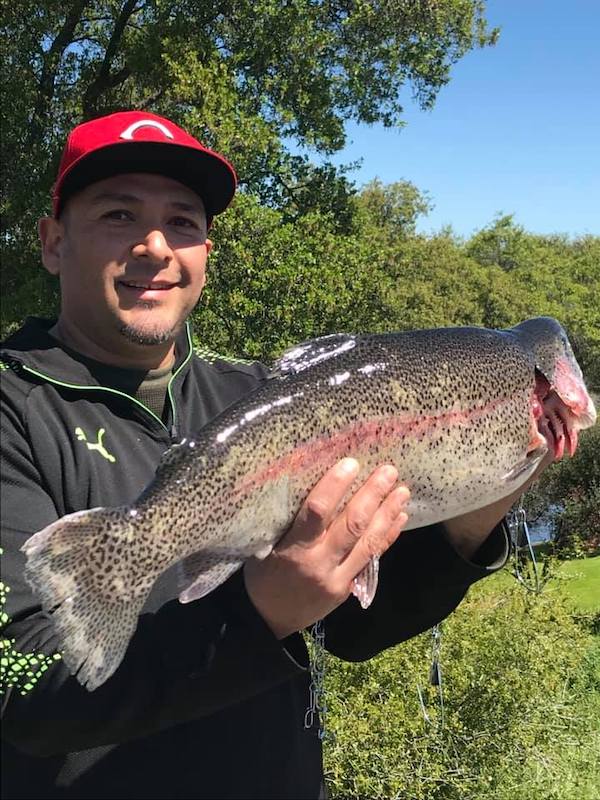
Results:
<point x="149" y="123"/>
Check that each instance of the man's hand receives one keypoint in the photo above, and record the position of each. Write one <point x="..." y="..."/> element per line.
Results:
<point x="310" y="571"/>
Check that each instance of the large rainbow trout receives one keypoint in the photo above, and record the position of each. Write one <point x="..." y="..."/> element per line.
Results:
<point x="465" y="414"/>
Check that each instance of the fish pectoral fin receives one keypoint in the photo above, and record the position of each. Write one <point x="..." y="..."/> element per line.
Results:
<point x="304" y="355"/>
<point x="206" y="574"/>
<point x="364" y="585"/>
<point x="523" y="469"/>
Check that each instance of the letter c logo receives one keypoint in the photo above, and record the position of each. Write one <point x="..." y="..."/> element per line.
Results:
<point x="150" y="123"/>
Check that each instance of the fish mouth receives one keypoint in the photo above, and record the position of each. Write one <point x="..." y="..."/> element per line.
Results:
<point x="558" y="429"/>
<point x="557" y="422"/>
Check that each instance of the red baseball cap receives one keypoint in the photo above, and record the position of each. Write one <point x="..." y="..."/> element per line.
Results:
<point x="137" y="141"/>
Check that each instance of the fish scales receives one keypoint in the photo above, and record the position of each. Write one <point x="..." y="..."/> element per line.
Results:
<point x="325" y="420"/>
<point x="453" y="409"/>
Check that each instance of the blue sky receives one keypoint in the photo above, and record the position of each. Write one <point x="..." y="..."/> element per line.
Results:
<point x="517" y="129"/>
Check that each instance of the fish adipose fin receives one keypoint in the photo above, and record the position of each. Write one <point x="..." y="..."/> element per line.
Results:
<point x="200" y="573"/>
<point x="71" y="568"/>
<point x="364" y="585"/>
<point x="305" y="355"/>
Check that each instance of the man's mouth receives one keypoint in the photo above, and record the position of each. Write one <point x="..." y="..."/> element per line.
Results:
<point x="151" y="286"/>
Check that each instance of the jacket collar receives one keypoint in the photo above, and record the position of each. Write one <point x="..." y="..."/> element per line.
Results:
<point x="34" y="348"/>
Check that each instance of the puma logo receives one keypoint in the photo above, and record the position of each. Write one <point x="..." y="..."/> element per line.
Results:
<point x="79" y="432"/>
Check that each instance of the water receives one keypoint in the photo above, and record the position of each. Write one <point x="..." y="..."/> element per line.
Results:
<point x="540" y="532"/>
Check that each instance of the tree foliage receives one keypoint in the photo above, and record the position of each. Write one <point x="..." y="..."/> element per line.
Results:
<point x="245" y="77"/>
<point x="567" y="499"/>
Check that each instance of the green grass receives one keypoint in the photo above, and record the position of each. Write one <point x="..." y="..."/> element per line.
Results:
<point x="583" y="584"/>
<point x="577" y="579"/>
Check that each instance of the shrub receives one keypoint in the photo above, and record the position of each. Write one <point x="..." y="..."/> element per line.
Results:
<point x="567" y="498"/>
<point x="520" y="689"/>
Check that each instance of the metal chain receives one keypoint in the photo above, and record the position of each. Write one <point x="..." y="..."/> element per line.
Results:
<point x="435" y="670"/>
<point x="519" y="532"/>
<point x="435" y="678"/>
<point x="317" y="706"/>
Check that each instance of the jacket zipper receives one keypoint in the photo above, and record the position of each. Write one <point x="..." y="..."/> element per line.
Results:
<point x="173" y="429"/>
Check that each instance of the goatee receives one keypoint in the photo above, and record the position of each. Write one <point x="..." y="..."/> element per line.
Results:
<point x="149" y="336"/>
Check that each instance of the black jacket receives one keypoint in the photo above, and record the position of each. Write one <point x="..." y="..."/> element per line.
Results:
<point x="206" y="703"/>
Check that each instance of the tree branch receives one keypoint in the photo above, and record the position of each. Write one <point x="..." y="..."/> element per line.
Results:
<point x="104" y="80"/>
<point x="51" y="63"/>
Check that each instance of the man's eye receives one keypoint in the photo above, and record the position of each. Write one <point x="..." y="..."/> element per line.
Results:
<point x="184" y="222"/>
<point x="119" y="214"/>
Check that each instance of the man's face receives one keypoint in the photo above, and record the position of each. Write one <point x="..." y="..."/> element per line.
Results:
<point x="131" y="253"/>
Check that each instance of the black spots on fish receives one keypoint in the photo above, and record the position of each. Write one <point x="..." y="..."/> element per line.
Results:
<point x="460" y="391"/>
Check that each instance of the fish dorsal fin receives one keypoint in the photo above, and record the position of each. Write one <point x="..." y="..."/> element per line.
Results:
<point x="307" y="354"/>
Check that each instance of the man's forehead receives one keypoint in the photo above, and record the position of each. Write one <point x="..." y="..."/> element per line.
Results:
<point x="139" y="187"/>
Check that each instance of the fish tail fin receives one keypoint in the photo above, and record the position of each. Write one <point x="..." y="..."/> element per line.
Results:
<point x="74" y="569"/>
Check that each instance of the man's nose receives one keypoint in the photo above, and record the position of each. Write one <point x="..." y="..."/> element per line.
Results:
<point x="153" y="245"/>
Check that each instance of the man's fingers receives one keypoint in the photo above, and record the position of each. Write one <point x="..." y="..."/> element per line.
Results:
<point x="386" y="525"/>
<point x="358" y="515"/>
<point x="322" y="503"/>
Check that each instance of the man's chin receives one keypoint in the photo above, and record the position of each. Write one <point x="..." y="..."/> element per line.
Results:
<point x="150" y="335"/>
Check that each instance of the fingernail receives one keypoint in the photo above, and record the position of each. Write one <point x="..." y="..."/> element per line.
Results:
<point x="403" y="494"/>
<point x="389" y="474"/>
<point x="349" y="466"/>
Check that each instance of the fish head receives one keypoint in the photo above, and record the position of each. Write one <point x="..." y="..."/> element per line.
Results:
<point x="562" y="405"/>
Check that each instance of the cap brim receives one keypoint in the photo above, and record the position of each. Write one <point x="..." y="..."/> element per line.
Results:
<point x="207" y="174"/>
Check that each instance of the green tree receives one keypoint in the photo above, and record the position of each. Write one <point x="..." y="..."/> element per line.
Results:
<point x="390" y="210"/>
<point x="520" y="687"/>
<point x="567" y="498"/>
<point x="530" y="275"/>
<point x="503" y="243"/>
<point x="272" y="283"/>
<point x="246" y="77"/>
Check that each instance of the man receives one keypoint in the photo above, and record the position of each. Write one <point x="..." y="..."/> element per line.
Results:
<point x="211" y="696"/>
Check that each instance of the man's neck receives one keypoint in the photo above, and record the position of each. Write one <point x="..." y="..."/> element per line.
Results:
<point x="131" y="355"/>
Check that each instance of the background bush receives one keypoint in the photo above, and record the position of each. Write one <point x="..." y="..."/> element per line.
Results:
<point x="521" y="690"/>
<point x="567" y="500"/>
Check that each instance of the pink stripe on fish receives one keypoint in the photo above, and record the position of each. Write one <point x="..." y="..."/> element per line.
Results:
<point x="329" y="449"/>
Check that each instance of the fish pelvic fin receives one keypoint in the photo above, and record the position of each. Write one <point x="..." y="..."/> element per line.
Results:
<point x="364" y="585"/>
<point x="522" y="470"/>
<point x="72" y="570"/>
<point x="205" y="573"/>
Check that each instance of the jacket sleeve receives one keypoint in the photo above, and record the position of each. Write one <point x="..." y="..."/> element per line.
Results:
<point x="184" y="661"/>
<point x="422" y="579"/>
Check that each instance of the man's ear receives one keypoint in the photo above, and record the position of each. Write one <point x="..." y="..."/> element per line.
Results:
<point x="51" y="232"/>
<point x="209" y="246"/>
